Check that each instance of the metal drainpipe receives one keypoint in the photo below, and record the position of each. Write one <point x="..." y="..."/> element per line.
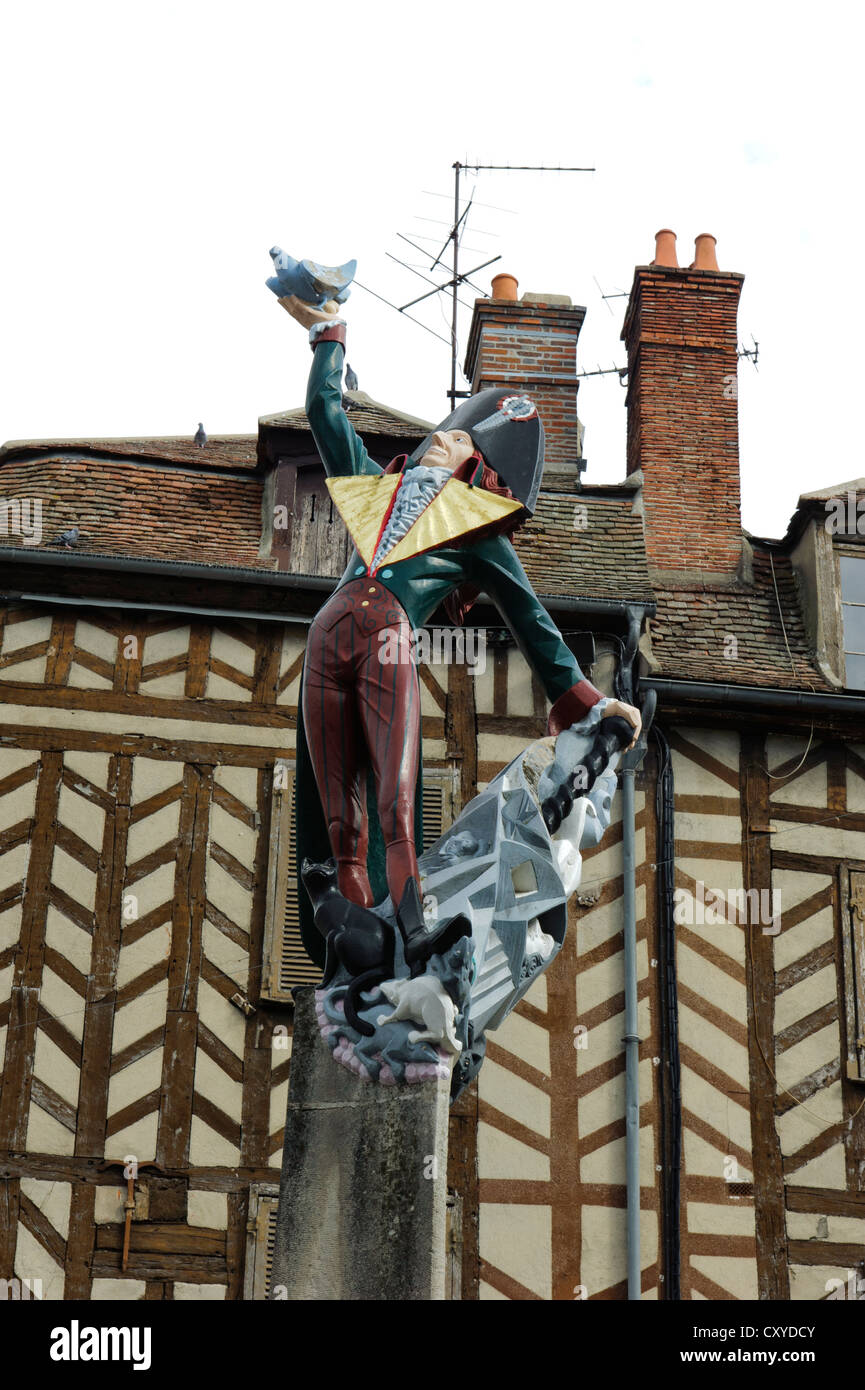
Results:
<point x="632" y="1041"/>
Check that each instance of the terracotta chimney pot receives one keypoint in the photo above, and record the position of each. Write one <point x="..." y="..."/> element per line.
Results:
<point x="665" y="248"/>
<point x="704" y="252"/>
<point x="504" y="286"/>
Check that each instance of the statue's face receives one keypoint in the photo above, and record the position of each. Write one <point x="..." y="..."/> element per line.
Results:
<point x="449" y="448"/>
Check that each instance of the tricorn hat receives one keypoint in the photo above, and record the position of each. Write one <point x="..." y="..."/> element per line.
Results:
<point x="508" y="432"/>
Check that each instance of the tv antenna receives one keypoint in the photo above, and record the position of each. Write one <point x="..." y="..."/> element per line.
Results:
<point x="453" y="239"/>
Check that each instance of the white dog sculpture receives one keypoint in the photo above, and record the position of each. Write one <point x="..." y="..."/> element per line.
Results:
<point x="423" y="1000"/>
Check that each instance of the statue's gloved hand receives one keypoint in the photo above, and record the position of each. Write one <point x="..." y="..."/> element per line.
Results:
<point x="628" y="712"/>
<point x="305" y="313"/>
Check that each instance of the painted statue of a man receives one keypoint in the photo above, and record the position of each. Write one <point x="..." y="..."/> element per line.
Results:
<point x="433" y="528"/>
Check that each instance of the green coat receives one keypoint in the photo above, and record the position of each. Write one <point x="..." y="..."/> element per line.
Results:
<point x="420" y="583"/>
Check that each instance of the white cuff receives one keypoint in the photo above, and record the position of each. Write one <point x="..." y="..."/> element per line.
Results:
<point x="317" y="329"/>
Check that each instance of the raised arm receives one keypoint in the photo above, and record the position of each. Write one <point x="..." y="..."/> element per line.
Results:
<point x="341" y="448"/>
<point x="497" y="569"/>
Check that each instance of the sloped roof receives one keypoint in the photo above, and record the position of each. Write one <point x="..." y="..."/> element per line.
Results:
<point x="125" y="506"/>
<point x="693" y="627"/>
<point x="237" y="451"/>
<point x="367" y="416"/>
<point x="166" y="500"/>
<point x="586" y="545"/>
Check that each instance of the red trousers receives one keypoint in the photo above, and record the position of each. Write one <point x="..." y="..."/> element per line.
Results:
<point x="358" y="712"/>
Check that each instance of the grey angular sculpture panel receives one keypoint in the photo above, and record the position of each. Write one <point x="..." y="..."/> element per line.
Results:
<point x="501" y="869"/>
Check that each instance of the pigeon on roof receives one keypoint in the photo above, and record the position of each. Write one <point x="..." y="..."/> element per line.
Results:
<point x="200" y="437"/>
<point x="350" y="378"/>
<point x="68" y="539"/>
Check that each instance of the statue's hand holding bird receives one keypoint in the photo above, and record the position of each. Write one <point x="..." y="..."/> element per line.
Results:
<point x="305" y="313"/>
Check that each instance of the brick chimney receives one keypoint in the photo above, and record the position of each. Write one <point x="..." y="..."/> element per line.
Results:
<point x="683" y="420"/>
<point x="530" y="345"/>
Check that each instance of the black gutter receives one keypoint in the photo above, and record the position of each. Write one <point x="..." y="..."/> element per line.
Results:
<point x="279" y="579"/>
<point x="172" y="569"/>
<point x="756" y="697"/>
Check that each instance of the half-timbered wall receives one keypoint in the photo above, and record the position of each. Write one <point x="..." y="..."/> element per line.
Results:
<point x="137" y="758"/>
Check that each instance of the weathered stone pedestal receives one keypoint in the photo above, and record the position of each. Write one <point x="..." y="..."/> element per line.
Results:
<point x="364" y="1181"/>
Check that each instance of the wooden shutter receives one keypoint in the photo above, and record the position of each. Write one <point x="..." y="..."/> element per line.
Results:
<point x="439" y="802"/>
<point x="285" y="961"/>
<point x="854" y="975"/>
<point x="454" y="1246"/>
<point x="260" y="1240"/>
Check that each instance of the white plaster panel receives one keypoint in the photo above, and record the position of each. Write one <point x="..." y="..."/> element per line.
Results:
<point x="152" y="832"/>
<point x="16" y="805"/>
<point x="81" y="816"/>
<point x="45" y="1135"/>
<point x="209" y="1149"/>
<point x="805" y="1122"/>
<point x="607" y="1165"/>
<point x="518" y="1241"/>
<point x="229" y="832"/>
<point x="223" y="1019"/>
<point x="526" y="1040"/>
<point x="55" y="1069"/>
<point x="721" y="1218"/>
<point x="219" y="949"/>
<point x="139" y="1016"/>
<point x="118" y="1290"/>
<point x="721" y="1111"/>
<point x="76" y="880"/>
<point x="234" y="653"/>
<point x="808" y="1056"/>
<point x="806" y="996"/>
<point x="515" y="1097"/>
<point x="150" y="776"/>
<point x="710" y="982"/>
<point x="61" y="1001"/>
<point x="32" y="1261"/>
<point x="93" y="766"/>
<point x="52" y="1198"/>
<point x="138" y="1139"/>
<point x="242" y="782"/>
<point x="207" y="1209"/>
<point x="500" y="1156"/>
<point x="723" y="1050"/>
<point x="215" y="1085"/>
<point x="735" y="1274"/>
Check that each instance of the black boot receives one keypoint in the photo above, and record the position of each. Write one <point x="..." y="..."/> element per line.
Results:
<point x="356" y="938"/>
<point x="422" y="941"/>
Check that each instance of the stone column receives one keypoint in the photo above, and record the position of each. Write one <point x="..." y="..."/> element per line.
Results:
<point x="363" y="1190"/>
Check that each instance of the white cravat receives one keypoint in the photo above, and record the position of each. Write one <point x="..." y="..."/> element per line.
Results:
<point x="418" y="487"/>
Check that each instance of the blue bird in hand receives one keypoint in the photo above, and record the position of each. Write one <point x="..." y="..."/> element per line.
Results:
<point x="313" y="283"/>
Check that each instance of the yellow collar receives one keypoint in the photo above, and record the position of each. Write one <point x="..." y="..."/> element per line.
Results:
<point x="456" y="510"/>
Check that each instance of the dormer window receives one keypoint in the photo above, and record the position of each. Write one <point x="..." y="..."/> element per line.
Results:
<point x="853" y="614"/>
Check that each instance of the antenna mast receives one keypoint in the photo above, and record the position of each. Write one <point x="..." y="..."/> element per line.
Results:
<point x="454" y="236"/>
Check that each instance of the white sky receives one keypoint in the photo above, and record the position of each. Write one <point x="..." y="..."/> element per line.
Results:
<point x="152" y="154"/>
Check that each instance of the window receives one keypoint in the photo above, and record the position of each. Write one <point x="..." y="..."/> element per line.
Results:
<point x="853" y="610"/>
<point x="285" y="962"/>
<point x="260" y="1240"/>
<point x="854" y="974"/>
